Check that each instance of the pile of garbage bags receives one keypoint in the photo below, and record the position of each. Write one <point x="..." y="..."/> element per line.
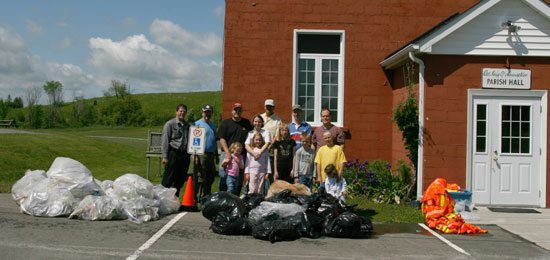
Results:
<point x="69" y="189"/>
<point x="284" y="216"/>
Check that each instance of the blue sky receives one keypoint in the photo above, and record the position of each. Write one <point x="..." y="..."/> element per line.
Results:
<point x="155" y="46"/>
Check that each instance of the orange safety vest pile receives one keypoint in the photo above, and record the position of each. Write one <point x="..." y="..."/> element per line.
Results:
<point x="438" y="210"/>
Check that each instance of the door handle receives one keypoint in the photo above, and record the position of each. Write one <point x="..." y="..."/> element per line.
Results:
<point x="495" y="159"/>
<point x="495" y="151"/>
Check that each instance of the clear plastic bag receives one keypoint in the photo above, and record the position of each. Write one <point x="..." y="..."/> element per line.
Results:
<point x="45" y="200"/>
<point x="141" y="210"/>
<point x="98" y="208"/>
<point x="131" y="186"/>
<point x="23" y="187"/>
<point x="69" y="174"/>
<point x="169" y="203"/>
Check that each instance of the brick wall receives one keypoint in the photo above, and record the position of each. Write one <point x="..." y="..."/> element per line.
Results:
<point x="258" y="58"/>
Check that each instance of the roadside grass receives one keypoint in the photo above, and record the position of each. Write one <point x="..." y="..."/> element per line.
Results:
<point x="387" y="213"/>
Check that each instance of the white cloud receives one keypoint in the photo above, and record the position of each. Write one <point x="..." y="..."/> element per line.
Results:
<point x="65" y="43"/>
<point x="185" y="42"/>
<point x="62" y="24"/>
<point x="219" y="11"/>
<point x="149" y="67"/>
<point x="33" y="28"/>
<point x="20" y="70"/>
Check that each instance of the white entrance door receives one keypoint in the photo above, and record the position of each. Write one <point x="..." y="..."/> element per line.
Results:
<point x="506" y="150"/>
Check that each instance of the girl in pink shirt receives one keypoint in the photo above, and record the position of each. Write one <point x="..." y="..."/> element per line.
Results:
<point x="256" y="169"/>
<point x="233" y="166"/>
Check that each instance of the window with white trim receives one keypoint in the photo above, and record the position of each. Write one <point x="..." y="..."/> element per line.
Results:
<point x="319" y="74"/>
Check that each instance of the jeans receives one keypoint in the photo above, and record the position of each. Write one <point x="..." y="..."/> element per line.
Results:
<point x="306" y="181"/>
<point x="233" y="184"/>
<point x="222" y="184"/>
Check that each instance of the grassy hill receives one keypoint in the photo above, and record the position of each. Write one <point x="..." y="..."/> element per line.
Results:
<point x="157" y="107"/>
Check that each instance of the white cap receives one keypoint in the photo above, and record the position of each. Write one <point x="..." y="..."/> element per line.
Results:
<point x="269" y="102"/>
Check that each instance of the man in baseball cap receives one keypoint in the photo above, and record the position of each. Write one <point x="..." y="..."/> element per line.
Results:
<point x="205" y="167"/>
<point x="298" y="126"/>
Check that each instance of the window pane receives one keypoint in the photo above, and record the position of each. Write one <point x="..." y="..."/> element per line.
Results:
<point x="480" y="144"/>
<point x="505" y="129"/>
<point x="334" y="91"/>
<point x="481" y="125"/>
<point x="334" y="116"/>
<point x="505" y="112"/>
<point x="515" y="145"/>
<point x="334" y="65"/>
<point x="326" y="65"/>
<point x="505" y="145"/>
<point x="302" y="90"/>
<point x="525" y="145"/>
<point x="525" y="113"/>
<point x="325" y="90"/>
<point x="324" y="103"/>
<point x="302" y="101"/>
<point x="326" y="78"/>
<point x="302" y="64"/>
<point x="302" y="77"/>
<point x="310" y="115"/>
<point x="515" y="129"/>
<point x="311" y="90"/>
<point x="525" y="131"/>
<point x="319" y="43"/>
<point x="311" y="65"/>
<point x="334" y="77"/>
<point x="333" y="104"/>
<point x="310" y="103"/>
<point x="310" y="77"/>
<point x="515" y="113"/>
<point x="481" y="111"/>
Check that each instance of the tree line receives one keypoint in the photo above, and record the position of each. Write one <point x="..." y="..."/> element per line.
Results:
<point x="118" y="108"/>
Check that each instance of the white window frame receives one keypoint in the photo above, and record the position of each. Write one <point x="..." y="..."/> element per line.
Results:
<point x="318" y="82"/>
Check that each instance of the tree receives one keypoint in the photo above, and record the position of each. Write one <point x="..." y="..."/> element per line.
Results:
<point x="33" y="96"/>
<point x="3" y="109"/>
<point x="17" y="103"/>
<point x="54" y="89"/>
<point x="118" y="89"/>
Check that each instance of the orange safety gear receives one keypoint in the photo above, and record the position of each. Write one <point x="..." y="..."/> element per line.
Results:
<point x="439" y="213"/>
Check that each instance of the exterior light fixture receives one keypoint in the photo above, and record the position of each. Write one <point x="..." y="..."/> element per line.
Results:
<point x="512" y="28"/>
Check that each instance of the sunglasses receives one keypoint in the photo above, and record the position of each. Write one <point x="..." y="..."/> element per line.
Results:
<point x="238" y="109"/>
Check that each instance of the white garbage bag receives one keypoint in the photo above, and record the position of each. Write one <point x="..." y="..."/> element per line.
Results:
<point x="105" y="185"/>
<point x="169" y="203"/>
<point x="139" y="210"/>
<point x="66" y="173"/>
<point x="268" y="209"/>
<point x="22" y="188"/>
<point x="46" y="200"/>
<point x="98" y="208"/>
<point x="131" y="186"/>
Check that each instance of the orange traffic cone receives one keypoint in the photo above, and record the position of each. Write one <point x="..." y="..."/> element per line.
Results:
<point x="188" y="202"/>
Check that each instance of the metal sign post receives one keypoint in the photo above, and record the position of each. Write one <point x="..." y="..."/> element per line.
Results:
<point x="195" y="147"/>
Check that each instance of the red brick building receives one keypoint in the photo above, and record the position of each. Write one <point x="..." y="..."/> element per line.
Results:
<point x="354" y="57"/>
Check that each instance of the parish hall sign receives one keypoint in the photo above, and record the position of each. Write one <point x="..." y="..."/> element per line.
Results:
<point x="506" y="78"/>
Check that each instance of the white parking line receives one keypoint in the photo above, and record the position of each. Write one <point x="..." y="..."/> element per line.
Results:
<point x="449" y="243"/>
<point x="155" y="237"/>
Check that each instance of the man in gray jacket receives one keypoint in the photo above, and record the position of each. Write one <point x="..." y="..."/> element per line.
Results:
<point x="174" y="150"/>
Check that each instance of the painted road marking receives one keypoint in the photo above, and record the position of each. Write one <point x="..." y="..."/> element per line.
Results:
<point x="155" y="237"/>
<point x="449" y="243"/>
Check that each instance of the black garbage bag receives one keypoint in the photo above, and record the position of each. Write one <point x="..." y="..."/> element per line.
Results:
<point x="222" y="202"/>
<point x="225" y="223"/>
<point x="281" y="197"/>
<point x="252" y="200"/>
<point x="310" y="225"/>
<point x="276" y="230"/>
<point x="302" y="199"/>
<point x="348" y="225"/>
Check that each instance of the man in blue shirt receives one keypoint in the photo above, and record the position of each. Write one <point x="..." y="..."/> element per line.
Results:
<point x="299" y="126"/>
<point x="206" y="167"/>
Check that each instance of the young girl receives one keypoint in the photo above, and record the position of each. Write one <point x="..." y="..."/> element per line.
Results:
<point x="284" y="150"/>
<point x="304" y="169"/>
<point x="258" y="123"/>
<point x="233" y="166"/>
<point x="333" y="186"/>
<point x="256" y="169"/>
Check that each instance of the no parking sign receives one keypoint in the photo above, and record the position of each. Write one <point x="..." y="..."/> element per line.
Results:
<point x="196" y="140"/>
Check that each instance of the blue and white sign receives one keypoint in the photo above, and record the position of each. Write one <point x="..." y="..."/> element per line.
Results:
<point x="195" y="145"/>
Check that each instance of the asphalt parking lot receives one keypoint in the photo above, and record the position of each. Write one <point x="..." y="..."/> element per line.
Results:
<point x="189" y="237"/>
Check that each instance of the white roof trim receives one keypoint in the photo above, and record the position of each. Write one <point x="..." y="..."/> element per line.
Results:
<point x="425" y="45"/>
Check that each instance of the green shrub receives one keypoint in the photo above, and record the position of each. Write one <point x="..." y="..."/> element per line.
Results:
<point x="377" y="181"/>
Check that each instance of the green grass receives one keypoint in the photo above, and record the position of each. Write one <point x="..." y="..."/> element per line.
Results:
<point x="388" y="213"/>
<point x="108" y="159"/>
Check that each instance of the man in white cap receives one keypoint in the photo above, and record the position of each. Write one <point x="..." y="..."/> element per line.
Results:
<point x="272" y="122"/>
<point x="205" y="163"/>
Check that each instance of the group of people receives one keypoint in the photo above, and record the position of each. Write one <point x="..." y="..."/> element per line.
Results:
<point x="254" y="155"/>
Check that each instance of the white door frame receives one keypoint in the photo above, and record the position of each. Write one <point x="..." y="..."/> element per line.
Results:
<point x="542" y="94"/>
